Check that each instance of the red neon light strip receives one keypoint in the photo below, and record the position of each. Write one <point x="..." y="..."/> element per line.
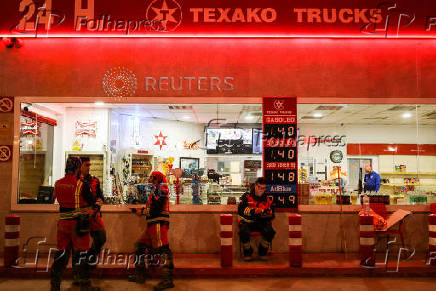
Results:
<point x="222" y="36"/>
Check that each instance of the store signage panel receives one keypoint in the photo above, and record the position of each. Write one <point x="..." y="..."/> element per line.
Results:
<point x="280" y="163"/>
<point x="311" y="18"/>
<point x="5" y="153"/>
<point x="391" y="149"/>
<point x="6" y="104"/>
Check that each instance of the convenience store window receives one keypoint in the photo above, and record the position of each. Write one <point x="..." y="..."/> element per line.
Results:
<point x="212" y="152"/>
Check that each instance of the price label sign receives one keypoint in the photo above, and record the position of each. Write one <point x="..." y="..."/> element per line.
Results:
<point x="280" y="157"/>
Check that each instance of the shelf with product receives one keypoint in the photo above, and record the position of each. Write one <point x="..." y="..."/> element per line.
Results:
<point x="408" y="173"/>
<point x="410" y="187"/>
<point x="132" y="170"/>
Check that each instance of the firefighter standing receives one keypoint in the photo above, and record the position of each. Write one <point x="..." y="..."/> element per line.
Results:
<point x="98" y="232"/>
<point x="74" y="198"/>
<point x="154" y="240"/>
<point x="255" y="214"/>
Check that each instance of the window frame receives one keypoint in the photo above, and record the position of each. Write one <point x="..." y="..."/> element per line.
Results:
<point x="47" y="208"/>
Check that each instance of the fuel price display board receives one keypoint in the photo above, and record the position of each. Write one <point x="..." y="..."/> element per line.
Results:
<point x="280" y="155"/>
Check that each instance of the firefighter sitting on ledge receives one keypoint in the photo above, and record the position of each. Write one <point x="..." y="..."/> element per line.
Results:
<point x="255" y="214"/>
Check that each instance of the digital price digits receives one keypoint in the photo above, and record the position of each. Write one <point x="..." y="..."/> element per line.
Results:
<point x="280" y="154"/>
<point x="281" y="176"/>
<point x="279" y="131"/>
<point x="285" y="200"/>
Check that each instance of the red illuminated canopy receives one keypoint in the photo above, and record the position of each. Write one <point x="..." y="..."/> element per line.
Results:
<point x="218" y="18"/>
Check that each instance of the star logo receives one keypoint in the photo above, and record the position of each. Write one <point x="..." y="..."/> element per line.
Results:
<point x="160" y="140"/>
<point x="166" y="12"/>
<point x="279" y="104"/>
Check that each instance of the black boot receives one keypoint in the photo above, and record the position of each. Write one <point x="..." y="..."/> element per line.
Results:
<point x="167" y="280"/>
<point x="168" y="269"/>
<point x="263" y="250"/>
<point x="57" y="269"/>
<point x="139" y="276"/>
<point x="55" y="286"/>
<point x="248" y="252"/>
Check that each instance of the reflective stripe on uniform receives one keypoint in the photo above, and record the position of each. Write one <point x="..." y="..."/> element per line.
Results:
<point x="159" y="241"/>
<point x="245" y="219"/>
<point x="77" y="193"/>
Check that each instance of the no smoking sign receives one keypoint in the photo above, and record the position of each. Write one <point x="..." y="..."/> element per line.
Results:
<point x="6" y="104"/>
<point x="5" y="153"/>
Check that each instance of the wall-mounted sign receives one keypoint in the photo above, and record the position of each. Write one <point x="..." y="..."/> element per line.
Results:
<point x="280" y="150"/>
<point x="30" y="128"/>
<point x="5" y="153"/>
<point x="336" y="156"/>
<point x="310" y="18"/>
<point x="86" y="128"/>
<point x="191" y="145"/>
<point x="189" y="83"/>
<point x="6" y="104"/>
<point x="252" y="164"/>
<point x="160" y="140"/>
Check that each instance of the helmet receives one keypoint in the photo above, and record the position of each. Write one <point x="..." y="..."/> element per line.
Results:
<point x="159" y="176"/>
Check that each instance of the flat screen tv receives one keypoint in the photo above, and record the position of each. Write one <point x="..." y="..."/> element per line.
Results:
<point x="229" y="141"/>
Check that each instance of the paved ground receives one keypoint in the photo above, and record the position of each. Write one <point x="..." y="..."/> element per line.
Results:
<point x="269" y="284"/>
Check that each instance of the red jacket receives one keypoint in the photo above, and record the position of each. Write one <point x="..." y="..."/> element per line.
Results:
<point x="157" y="208"/>
<point x="72" y="193"/>
<point x="248" y="204"/>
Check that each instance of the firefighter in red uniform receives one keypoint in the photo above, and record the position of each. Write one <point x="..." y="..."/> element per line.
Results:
<point x="74" y="199"/>
<point x="155" y="237"/>
<point x="98" y="232"/>
<point x="255" y="214"/>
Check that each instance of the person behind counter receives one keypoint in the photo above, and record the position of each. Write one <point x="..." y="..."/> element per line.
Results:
<point x="371" y="182"/>
<point x="255" y="214"/>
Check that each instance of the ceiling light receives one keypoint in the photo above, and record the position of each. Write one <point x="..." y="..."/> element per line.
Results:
<point x="250" y="117"/>
<point x="317" y="115"/>
<point x="98" y="103"/>
<point x="186" y="117"/>
<point x="407" y="115"/>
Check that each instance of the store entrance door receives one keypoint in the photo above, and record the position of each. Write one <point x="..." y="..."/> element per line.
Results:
<point x="356" y="171"/>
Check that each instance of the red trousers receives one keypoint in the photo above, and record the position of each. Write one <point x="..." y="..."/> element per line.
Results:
<point x="155" y="236"/>
<point x="67" y="239"/>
